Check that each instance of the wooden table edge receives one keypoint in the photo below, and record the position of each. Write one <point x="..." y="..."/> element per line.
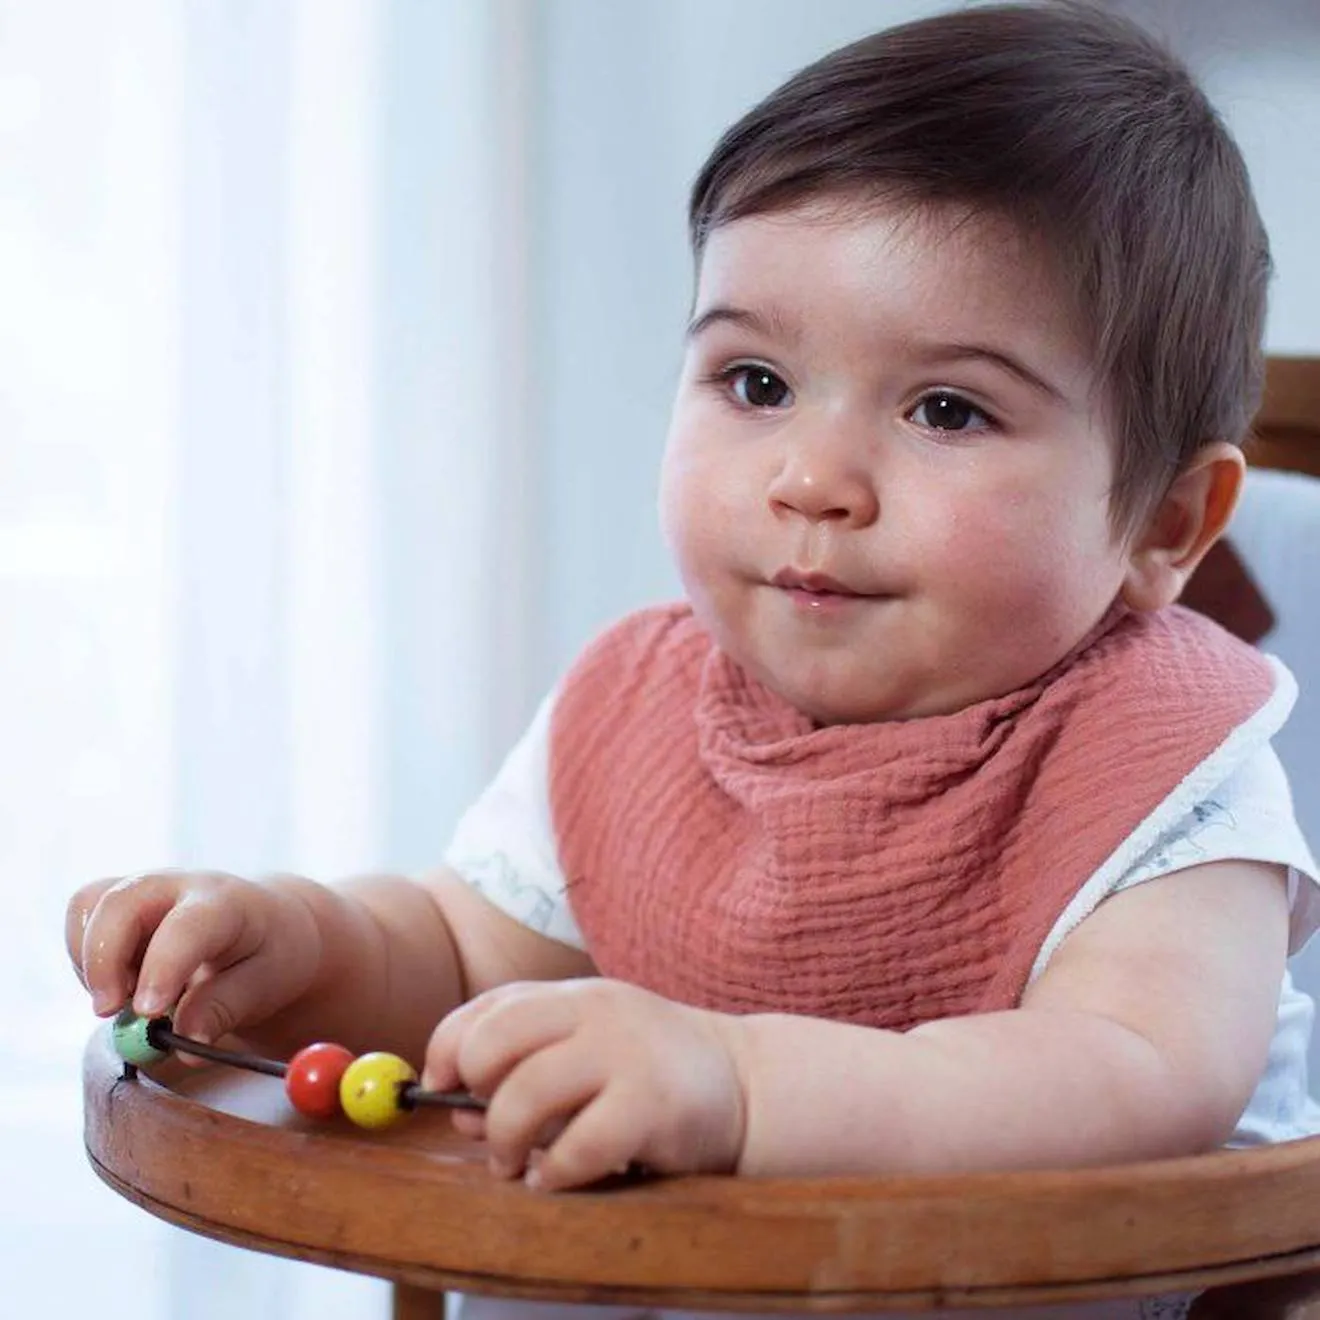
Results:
<point x="118" y="1109"/>
<point x="687" y="1299"/>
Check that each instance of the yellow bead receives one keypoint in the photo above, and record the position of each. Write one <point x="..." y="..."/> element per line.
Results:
<point x="369" y="1089"/>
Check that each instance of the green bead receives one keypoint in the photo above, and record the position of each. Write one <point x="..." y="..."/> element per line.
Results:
<point x="129" y="1034"/>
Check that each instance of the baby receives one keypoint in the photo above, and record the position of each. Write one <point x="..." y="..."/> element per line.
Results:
<point x="927" y="833"/>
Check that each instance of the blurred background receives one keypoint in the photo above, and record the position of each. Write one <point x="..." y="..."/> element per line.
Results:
<point x="336" y="343"/>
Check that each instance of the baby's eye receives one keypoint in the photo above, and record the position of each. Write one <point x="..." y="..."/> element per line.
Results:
<point x="945" y="411"/>
<point x="757" y="387"/>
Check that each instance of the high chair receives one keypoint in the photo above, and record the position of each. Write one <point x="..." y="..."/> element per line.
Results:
<point x="220" y="1152"/>
<point x="1287" y="426"/>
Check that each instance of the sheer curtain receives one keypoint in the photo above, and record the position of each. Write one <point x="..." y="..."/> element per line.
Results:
<point x="89" y="365"/>
<point x="263" y="524"/>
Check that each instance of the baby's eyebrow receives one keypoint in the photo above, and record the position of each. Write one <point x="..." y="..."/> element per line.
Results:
<point x="958" y="352"/>
<point x="772" y="325"/>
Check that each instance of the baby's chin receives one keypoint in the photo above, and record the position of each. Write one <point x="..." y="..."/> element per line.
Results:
<point x="833" y="699"/>
<point x="826" y="713"/>
<point x="830" y="687"/>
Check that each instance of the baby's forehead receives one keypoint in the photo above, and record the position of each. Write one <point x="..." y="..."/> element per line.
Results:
<point x="876" y="263"/>
<point x="964" y="242"/>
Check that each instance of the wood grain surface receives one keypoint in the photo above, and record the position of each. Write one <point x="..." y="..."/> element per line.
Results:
<point x="1287" y="426"/>
<point x="219" y="1151"/>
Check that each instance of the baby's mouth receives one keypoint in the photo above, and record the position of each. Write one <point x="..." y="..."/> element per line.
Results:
<point x="823" y="596"/>
<point x="814" y="584"/>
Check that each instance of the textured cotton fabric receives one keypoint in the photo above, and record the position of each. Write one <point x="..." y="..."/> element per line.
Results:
<point x="1231" y="809"/>
<point x="721" y="850"/>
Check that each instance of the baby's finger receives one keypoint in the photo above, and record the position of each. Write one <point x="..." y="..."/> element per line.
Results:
<point x="196" y="932"/>
<point x="117" y="932"/>
<point x="76" y="916"/>
<point x="221" y="1002"/>
<point x="469" y="1123"/>
<point x="535" y="1099"/>
<point x="603" y="1139"/>
<point x="440" y="1064"/>
<point x="477" y="1044"/>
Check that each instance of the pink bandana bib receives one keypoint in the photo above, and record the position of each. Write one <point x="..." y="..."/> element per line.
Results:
<point x="722" y="851"/>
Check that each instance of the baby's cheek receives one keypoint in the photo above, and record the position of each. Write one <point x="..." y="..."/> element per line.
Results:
<point x="982" y="549"/>
<point x="700" y="506"/>
<point x="1016" y="580"/>
<point x="682" y="504"/>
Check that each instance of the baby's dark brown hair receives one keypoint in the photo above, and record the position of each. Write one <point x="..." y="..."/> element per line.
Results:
<point x="1094" y="142"/>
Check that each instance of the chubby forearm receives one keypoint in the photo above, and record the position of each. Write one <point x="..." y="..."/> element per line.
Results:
<point x="396" y="954"/>
<point x="1144" y="1037"/>
<point x="1014" y="1090"/>
<point x="386" y="969"/>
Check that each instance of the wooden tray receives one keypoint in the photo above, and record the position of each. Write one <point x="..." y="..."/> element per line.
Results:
<point x="219" y="1151"/>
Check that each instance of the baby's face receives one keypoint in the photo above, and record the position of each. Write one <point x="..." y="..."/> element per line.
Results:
<point x="887" y="480"/>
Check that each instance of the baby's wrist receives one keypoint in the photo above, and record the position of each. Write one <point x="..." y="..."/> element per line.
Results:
<point x="298" y="918"/>
<point x="734" y="1035"/>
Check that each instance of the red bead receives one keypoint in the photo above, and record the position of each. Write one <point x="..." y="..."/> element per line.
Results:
<point x="312" y="1079"/>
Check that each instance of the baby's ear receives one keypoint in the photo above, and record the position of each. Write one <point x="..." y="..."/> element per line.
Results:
<point x="1188" y="520"/>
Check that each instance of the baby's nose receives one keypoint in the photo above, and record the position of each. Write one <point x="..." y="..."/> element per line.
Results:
<point x="823" y="484"/>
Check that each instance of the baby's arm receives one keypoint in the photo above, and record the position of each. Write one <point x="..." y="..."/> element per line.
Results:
<point x="1145" y="1037"/>
<point x="373" y="963"/>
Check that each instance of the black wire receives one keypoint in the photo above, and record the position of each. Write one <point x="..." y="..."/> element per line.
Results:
<point x="162" y="1036"/>
<point x="411" y="1096"/>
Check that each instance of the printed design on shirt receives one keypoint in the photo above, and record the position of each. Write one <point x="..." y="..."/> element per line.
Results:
<point x="1183" y="845"/>
<point x="497" y="877"/>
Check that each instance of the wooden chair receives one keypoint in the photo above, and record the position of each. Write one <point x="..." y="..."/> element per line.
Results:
<point x="1287" y="426"/>
<point x="1287" y="439"/>
<point x="220" y="1152"/>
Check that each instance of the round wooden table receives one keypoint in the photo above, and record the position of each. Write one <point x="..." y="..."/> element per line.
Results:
<point x="219" y="1151"/>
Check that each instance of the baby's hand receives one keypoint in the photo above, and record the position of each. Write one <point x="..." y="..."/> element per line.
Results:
<point x="219" y="951"/>
<point x="601" y="1073"/>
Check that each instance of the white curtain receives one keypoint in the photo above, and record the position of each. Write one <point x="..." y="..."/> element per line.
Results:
<point x="89" y="368"/>
<point x="263" y="530"/>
